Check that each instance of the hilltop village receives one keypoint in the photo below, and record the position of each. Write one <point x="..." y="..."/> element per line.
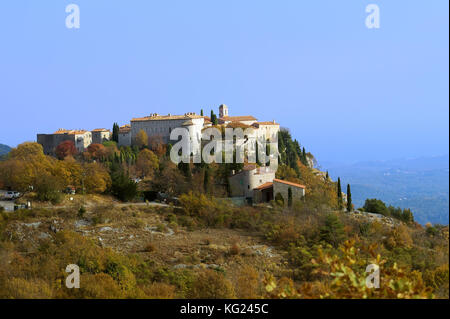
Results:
<point x="252" y="183"/>
<point x="140" y="225"/>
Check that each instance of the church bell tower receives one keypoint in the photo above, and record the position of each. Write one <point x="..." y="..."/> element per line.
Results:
<point x="223" y="110"/>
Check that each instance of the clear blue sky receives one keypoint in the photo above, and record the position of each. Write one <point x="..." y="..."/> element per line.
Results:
<point x="346" y="92"/>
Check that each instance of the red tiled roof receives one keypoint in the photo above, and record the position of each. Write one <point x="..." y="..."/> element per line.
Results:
<point x="70" y="132"/>
<point x="125" y="128"/>
<point x="237" y="118"/>
<point x="289" y="183"/>
<point x="166" y="117"/>
<point x="264" y="186"/>
<point x="100" y="130"/>
<point x="267" y="123"/>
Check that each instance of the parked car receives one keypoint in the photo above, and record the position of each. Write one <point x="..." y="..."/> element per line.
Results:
<point x="70" y="190"/>
<point x="10" y="195"/>
<point x="161" y="197"/>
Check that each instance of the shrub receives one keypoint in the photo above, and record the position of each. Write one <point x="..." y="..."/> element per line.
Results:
<point x="247" y="283"/>
<point x="81" y="211"/>
<point x="211" y="284"/>
<point x="150" y="247"/>
<point x="333" y="230"/>
<point x="234" y="249"/>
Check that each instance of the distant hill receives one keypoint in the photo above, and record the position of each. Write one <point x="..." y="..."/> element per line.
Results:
<point x="421" y="184"/>
<point x="4" y="149"/>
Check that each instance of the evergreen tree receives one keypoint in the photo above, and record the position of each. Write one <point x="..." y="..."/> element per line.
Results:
<point x="185" y="168"/>
<point x="115" y="133"/>
<point x="303" y="157"/>
<point x="289" y="197"/>
<point x="333" y="230"/>
<point x="206" y="179"/>
<point x="201" y="112"/>
<point x="349" y="199"/>
<point x="327" y="176"/>
<point x="339" y="193"/>
<point x="168" y="149"/>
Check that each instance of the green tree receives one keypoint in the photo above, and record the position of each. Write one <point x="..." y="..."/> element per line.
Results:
<point x="289" y="197"/>
<point x="123" y="187"/>
<point x="206" y="179"/>
<point x="201" y="112"/>
<point x="115" y="133"/>
<point x="376" y="206"/>
<point x="339" y="193"/>
<point x="349" y="199"/>
<point x="333" y="230"/>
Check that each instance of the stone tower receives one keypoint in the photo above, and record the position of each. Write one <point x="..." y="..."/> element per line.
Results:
<point x="223" y="110"/>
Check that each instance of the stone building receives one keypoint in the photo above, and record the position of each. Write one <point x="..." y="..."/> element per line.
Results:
<point x="259" y="185"/>
<point x="81" y="139"/>
<point x="160" y="126"/>
<point x="244" y="182"/>
<point x="268" y="191"/>
<point x="100" y="135"/>
<point x="124" y="135"/>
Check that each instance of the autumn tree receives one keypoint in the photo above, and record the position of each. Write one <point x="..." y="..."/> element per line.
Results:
<point x="64" y="149"/>
<point x="147" y="162"/>
<point x="157" y="145"/>
<point x="97" y="151"/>
<point x="26" y="150"/>
<point x="96" y="178"/>
<point x="141" y="139"/>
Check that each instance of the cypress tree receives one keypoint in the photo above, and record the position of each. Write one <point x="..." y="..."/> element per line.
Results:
<point x="304" y="157"/>
<point x="206" y="180"/>
<point x="201" y="112"/>
<point x="339" y="193"/>
<point x="289" y="197"/>
<point x="349" y="199"/>
<point x="115" y="133"/>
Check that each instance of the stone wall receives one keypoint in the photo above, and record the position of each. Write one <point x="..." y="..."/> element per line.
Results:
<point x="283" y="189"/>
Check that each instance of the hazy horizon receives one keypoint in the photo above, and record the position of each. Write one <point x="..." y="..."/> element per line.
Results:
<point x="346" y="92"/>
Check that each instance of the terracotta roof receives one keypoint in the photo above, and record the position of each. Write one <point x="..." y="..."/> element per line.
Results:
<point x="288" y="183"/>
<point x="100" y="130"/>
<point x="264" y="186"/>
<point x="125" y="128"/>
<point x="267" y="123"/>
<point x="166" y="117"/>
<point x="237" y="124"/>
<point x="70" y="132"/>
<point x="237" y="118"/>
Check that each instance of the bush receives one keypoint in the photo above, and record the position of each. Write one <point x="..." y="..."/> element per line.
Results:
<point x="124" y="188"/>
<point x="211" y="284"/>
<point x="150" y="247"/>
<point x="81" y="212"/>
<point x="333" y="230"/>
<point x="234" y="249"/>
